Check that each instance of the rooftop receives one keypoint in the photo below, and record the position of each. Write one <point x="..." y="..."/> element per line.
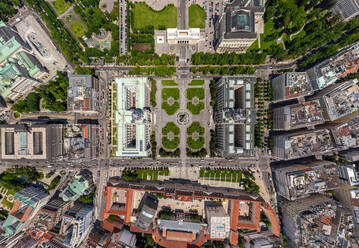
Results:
<point x="185" y="188"/>
<point x="80" y="141"/>
<point x="132" y="116"/>
<point x="291" y="85"/>
<point x="298" y="115"/>
<point x="346" y="135"/>
<point x="179" y="225"/>
<point x="300" y="180"/>
<point x="235" y="116"/>
<point x="31" y="195"/>
<point x="335" y="67"/>
<point x="318" y="220"/>
<point x="342" y="100"/>
<point x="30" y="140"/>
<point x="174" y="226"/>
<point x="303" y="144"/>
<point x="81" y="95"/>
<point x="239" y="18"/>
<point x="81" y="185"/>
<point x="346" y="8"/>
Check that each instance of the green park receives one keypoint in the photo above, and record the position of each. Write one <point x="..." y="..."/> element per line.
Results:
<point x="60" y="6"/>
<point x="169" y="83"/>
<point x="145" y="15"/>
<point x="195" y="139"/>
<point x="196" y="16"/>
<point x="244" y="177"/>
<point x="144" y="174"/>
<point x="170" y="98"/>
<point x="170" y="136"/>
<point x="195" y="97"/>
<point x="77" y="28"/>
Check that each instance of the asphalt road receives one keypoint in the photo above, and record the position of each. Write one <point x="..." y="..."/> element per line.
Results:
<point x="129" y="67"/>
<point x="182" y="14"/>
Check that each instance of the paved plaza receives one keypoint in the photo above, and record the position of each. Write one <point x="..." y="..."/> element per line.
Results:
<point x="204" y="118"/>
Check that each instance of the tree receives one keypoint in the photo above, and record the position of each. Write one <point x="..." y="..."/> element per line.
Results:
<point x="54" y="94"/>
<point x="3" y="214"/>
<point x="88" y="199"/>
<point x="84" y="70"/>
<point x="54" y="182"/>
<point x="8" y="8"/>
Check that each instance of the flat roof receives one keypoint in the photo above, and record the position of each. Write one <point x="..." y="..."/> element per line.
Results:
<point x="342" y="100"/>
<point x="131" y="117"/>
<point x="178" y="225"/>
<point x="335" y="67"/>
<point x="237" y="115"/>
<point x="239" y="19"/>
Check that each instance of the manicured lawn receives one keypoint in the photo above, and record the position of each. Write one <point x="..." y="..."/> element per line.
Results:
<point x="147" y="174"/>
<point x="195" y="92"/>
<point x="195" y="127"/>
<point x="145" y="15"/>
<point x="173" y="143"/>
<point x="7" y="203"/>
<point x="60" y="6"/>
<point x="198" y="92"/>
<point x="167" y="93"/>
<point x="170" y="109"/>
<point x="196" y="16"/>
<point x="195" y="109"/>
<point x="195" y="144"/>
<point x="197" y="82"/>
<point x="169" y="83"/>
<point x="222" y="175"/>
<point x="254" y="45"/>
<point x="170" y="92"/>
<point x="170" y="127"/>
<point x="170" y="144"/>
<point x="78" y="29"/>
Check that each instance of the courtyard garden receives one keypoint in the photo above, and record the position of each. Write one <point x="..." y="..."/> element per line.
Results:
<point x="196" y="16"/>
<point x="170" y="136"/>
<point x="145" y="15"/>
<point x="170" y="100"/>
<point x="195" y="97"/>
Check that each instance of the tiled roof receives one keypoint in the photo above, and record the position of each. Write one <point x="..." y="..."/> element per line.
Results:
<point x="129" y="196"/>
<point x="273" y="219"/>
<point x="180" y="236"/>
<point x="234" y="238"/>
